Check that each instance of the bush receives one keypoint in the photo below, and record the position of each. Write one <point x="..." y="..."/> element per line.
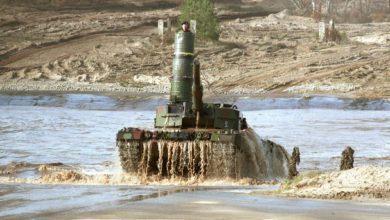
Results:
<point x="203" y="12"/>
<point x="337" y="36"/>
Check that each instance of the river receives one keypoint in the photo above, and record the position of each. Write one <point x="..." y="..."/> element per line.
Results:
<point x="78" y="131"/>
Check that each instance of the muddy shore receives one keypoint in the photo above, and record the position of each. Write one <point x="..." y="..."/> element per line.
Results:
<point x="360" y="183"/>
<point x="277" y="53"/>
<point x="364" y="183"/>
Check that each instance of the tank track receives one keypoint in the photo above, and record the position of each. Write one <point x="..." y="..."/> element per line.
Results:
<point x="129" y="155"/>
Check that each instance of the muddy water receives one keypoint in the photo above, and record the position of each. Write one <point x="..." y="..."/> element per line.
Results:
<point x="75" y="135"/>
<point x="321" y="134"/>
<point x="256" y="159"/>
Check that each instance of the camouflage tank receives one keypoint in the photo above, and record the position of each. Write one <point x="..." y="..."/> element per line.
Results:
<point x="191" y="138"/>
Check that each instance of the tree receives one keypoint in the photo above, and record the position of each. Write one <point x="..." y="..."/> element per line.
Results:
<point x="203" y="12"/>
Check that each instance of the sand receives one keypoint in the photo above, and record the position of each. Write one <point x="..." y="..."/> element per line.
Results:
<point x="97" y="49"/>
<point x="360" y="183"/>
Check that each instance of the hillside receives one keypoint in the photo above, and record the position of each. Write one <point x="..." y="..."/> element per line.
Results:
<point x="65" y="46"/>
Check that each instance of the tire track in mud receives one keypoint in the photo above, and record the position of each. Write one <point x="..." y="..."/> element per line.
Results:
<point x="14" y="56"/>
<point x="329" y="66"/>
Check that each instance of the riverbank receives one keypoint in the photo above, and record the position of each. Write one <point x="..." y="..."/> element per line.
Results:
<point x="31" y="87"/>
<point x="149" y="101"/>
<point x="360" y="183"/>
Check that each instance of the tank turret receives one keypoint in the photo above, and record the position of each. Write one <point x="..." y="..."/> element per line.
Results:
<point x="178" y="112"/>
<point x="186" y="108"/>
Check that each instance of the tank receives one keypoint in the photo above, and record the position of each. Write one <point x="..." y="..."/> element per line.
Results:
<point x="193" y="139"/>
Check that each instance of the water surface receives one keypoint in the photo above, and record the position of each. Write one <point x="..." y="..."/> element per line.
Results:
<point x="78" y="130"/>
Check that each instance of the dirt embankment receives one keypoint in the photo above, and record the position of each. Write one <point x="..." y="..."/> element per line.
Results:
<point x="367" y="182"/>
<point x="119" y="50"/>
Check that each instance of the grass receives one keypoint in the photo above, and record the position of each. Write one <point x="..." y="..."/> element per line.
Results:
<point x="343" y="37"/>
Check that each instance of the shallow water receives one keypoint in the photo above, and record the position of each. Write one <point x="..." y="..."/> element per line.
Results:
<point x="81" y="132"/>
<point x="78" y="130"/>
<point x="321" y="134"/>
<point x="171" y="202"/>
